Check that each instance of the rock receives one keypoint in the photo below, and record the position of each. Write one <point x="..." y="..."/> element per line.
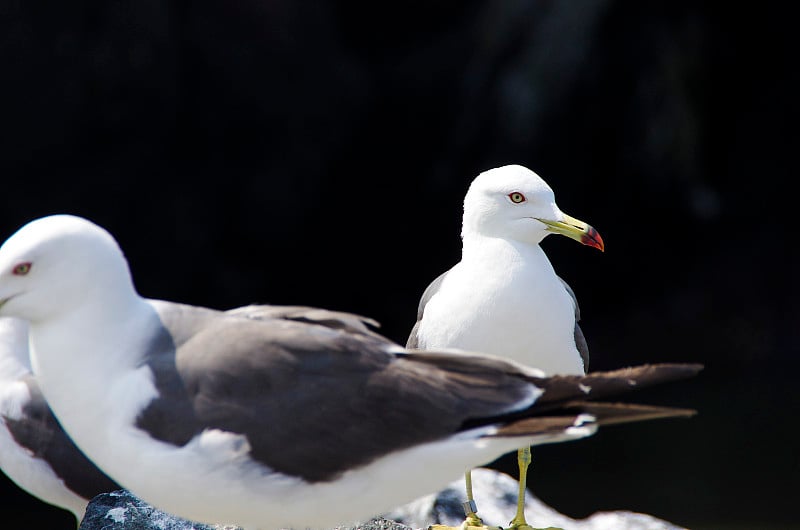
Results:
<point x="495" y="492"/>
<point x="496" y="497"/>
<point x="378" y="523"/>
<point x="121" y="510"/>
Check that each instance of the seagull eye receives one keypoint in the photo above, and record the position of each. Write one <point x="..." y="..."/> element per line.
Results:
<point x="516" y="197"/>
<point x="21" y="269"/>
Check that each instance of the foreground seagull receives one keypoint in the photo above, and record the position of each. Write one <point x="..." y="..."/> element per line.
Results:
<point x="35" y="452"/>
<point x="242" y="418"/>
<point x="504" y="297"/>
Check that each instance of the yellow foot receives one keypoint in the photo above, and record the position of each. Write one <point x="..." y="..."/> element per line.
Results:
<point x="470" y="523"/>
<point x="526" y="526"/>
<point x="529" y="527"/>
<point x="466" y="525"/>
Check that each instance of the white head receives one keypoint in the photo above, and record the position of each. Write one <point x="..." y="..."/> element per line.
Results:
<point x="57" y="263"/>
<point x="514" y="203"/>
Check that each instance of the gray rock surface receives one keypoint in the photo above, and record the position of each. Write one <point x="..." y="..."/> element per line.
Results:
<point x="495" y="492"/>
<point x="121" y="510"/>
<point x="378" y="523"/>
<point x="496" y="497"/>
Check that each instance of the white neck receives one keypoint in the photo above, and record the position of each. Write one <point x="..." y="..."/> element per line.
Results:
<point x="76" y="355"/>
<point x="479" y="249"/>
<point x="14" y="360"/>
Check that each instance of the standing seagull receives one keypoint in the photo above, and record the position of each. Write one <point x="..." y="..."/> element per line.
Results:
<point x="242" y="418"/>
<point x="504" y="297"/>
<point x="35" y="452"/>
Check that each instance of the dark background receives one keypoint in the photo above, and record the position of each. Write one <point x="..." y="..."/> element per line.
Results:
<point x="318" y="153"/>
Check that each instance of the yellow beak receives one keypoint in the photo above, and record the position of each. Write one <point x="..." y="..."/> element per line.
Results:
<point x="575" y="229"/>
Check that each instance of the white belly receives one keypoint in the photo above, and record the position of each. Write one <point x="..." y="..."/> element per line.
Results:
<point x="531" y="322"/>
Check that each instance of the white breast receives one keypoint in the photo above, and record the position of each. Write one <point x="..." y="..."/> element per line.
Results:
<point x="508" y="305"/>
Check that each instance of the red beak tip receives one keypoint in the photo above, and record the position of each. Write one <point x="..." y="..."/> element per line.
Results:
<point x="593" y="239"/>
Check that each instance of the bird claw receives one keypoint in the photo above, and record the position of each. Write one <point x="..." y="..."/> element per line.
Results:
<point x="477" y="524"/>
<point x="523" y="525"/>
<point x="466" y="525"/>
<point x="526" y="526"/>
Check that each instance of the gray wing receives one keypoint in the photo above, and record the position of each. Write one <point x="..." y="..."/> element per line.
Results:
<point x="349" y="322"/>
<point x="38" y="431"/>
<point x="287" y="385"/>
<point x="580" y="340"/>
<point x="432" y="289"/>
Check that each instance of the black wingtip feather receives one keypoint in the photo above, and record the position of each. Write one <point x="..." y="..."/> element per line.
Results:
<point x="559" y="388"/>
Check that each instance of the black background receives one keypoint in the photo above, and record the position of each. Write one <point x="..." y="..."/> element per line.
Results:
<point x="318" y="153"/>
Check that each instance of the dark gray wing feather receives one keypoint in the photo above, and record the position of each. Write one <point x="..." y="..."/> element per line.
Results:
<point x="432" y="289"/>
<point x="287" y="385"/>
<point x="580" y="340"/>
<point x="349" y="322"/>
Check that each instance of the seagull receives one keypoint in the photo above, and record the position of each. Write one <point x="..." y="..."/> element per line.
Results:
<point x="35" y="452"/>
<point x="504" y="297"/>
<point x="241" y="418"/>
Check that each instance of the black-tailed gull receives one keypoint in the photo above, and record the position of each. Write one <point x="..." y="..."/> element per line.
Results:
<point x="270" y="423"/>
<point x="504" y="297"/>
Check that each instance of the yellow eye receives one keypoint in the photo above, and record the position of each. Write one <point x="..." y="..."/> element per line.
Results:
<point x="516" y="197"/>
<point x="21" y="269"/>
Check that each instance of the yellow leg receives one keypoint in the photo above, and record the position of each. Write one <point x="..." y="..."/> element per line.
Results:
<point x="523" y="460"/>
<point x="472" y="521"/>
<point x="519" y="522"/>
<point x="470" y="507"/>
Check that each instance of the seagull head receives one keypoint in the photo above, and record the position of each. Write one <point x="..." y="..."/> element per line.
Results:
<point x="512" y="202"/>
<point x="57" y="263"/>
